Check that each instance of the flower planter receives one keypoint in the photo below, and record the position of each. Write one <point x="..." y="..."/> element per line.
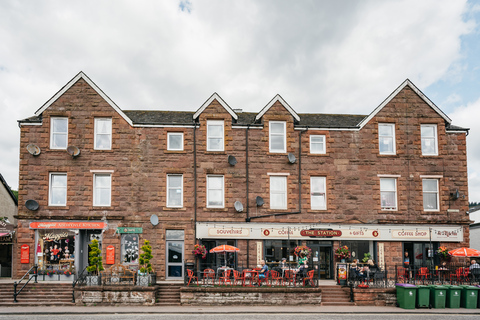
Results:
<point x="93" y="280"/>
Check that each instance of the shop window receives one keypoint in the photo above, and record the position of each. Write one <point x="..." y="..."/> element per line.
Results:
<point x="175" y="190"/>
<point x="317" y="193"/>
<point x="215" y="192"/>
<point x="278" y="192"/>
<point x="55" y="250"/>
<point x="58" y="133"/>
<point x="58" y="189"/>
<point x="386" y="138"/>
<point x="175" y="141"/>
<point x="388" y="193"/>
<point x="102" y="190"/>
<point x="317" y="144"/>
<point x="357" y="249"/>
<point x="215" y="135"/>
<point x="218" y="259"/>
<point x="429" y="139"/>
<point x="103" y="134"/>
<point x="430" y="194"/>
<point x="275" y="250"/>
<point x="278" y="140"/>
<point x="129" y="248"/>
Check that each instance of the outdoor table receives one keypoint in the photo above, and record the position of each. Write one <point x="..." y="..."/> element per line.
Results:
<point x="442" y="273"/>
<point x="251" y="275"/>
<point x="221" y="269"/>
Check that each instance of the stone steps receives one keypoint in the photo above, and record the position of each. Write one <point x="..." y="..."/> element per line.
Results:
<point x="168" y="294"/>
<point x="35" y="294"/>
<point x="336" y="296"/>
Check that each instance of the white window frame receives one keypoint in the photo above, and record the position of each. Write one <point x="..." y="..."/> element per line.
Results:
<point x="95" y="204"/>
<point x="97" y="133"/>
<point x="436" y="192"/>
<point x="53" y="133"/>
<point x="51" y="188"/>
<point x="394" y="191"/>
<point x="433" y="139"/>
<point x="174" y="189"/>
<point x="222" y="191"/>
<point x="278" y="192"/>
<point x="381" y="138"/>
<point x="172" y="134"/>
<point x="284" y="134"/>
<point x="313" y="194"/>
<point x="210" y="136"/>
<point x="323" y="149"/>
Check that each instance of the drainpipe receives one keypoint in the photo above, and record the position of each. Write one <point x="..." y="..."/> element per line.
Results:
<point x="195" y="181"/>
<point x="248" y="210"/>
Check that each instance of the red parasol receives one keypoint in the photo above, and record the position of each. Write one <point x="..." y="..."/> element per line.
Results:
<point x="465" y="252"/>
<point x="224" y="248"/>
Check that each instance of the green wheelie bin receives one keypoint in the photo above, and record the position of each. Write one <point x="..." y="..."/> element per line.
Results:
<point x="454" y="294"/>
<point x="423" y="297"/>
<point x="438" y="296"/>
<point x="406" y="295"/>
<point x="469" y="297"/>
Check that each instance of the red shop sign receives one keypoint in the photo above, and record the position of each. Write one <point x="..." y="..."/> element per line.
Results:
<point x="110" y="254"/>
<point x="25" y="254"/>
<point x="321" y="233"/>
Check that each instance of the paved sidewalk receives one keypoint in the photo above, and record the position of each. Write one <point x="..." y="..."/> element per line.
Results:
<point x="227" y="310"/>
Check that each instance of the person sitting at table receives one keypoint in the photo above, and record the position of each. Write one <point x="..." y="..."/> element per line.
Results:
<point x="283" y="264"/>
<point x="302" y="269"/>
<point x="263" y="271"/>
<point x="372" y="265"/>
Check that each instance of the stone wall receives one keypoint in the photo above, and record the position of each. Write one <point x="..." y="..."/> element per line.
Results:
<point x="121" y="295"/>
<point x="375" y="297"/>
<point x="250" y="296"/>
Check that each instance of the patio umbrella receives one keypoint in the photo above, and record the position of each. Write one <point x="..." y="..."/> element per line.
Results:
<point x="465" y="252"/>
<point x="224" y="248"/>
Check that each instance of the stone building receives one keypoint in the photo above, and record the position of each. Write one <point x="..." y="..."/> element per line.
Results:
<point x="384" y="183"/>
<point x="8" y="211"/>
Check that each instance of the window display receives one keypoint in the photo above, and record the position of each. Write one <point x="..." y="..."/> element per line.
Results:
<point x="130" y="248"/>
<point x="56" y="251"/>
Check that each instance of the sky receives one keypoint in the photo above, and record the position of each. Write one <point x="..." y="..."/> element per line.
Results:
<point x="320" y="56"/>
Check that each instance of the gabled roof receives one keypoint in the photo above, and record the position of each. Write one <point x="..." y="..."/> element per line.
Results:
<point x="83" y="76"/>
<point x="272" y="102"/>
<point x="397" y="91"/>
<point x="4" y="183"/>
<point x="215" y="96"/>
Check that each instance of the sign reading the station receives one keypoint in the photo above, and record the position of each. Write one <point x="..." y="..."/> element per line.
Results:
<point x="321" y="233"/>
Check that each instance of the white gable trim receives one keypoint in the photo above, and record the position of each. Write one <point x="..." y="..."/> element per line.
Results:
<point x="83" y="76"/>
<point x="397" y="91"/>
<point x="222" y="103"/>
<point x="272" y="102"/>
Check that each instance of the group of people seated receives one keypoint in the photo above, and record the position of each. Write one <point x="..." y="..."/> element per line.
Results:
<point x="363" y="272"/>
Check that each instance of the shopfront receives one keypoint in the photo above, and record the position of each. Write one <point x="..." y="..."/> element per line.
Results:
<point x="6" y="246"/>
<point x="62" y="247"/>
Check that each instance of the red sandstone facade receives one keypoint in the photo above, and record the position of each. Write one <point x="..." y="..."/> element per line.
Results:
<point x="139" y="165"/>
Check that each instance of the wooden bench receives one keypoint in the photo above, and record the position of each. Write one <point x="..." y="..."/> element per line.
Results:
<point x="118" y="275"/>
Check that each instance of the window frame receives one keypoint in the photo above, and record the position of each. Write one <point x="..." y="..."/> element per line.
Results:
<point x="392" y="137"/>
<point x="95" y="133"/>
<point x="314" y="194"/>
<point x="95" y="188"/>
<point x="124" y="246"/>
<point x="174" y="188"/>
<point x="436" y="192"/>
<point x="324" y="147"/>
<point x="53" y="133"/>
<point x="209" y="189"/>
<point x="435" y="139"/>
<point x="50" y="189"/>
<point x="171" y="134"/>
<point x="389" y="208"/>
<point x="279" y="192"/>
<point x="270" y="134"/>
<point x="222" y="144"/>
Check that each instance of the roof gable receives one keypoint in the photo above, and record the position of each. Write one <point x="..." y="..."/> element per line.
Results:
<point x="215" y="96"/>
<point x="284" y="104"/>
<point x="9" y="191"/>
<point x="397" y="91"/>
<point x="83" y="76"/>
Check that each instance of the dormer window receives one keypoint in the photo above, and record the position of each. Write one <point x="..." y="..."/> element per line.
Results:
<point x="278" y="137"/>
<point x="58" y="133"/>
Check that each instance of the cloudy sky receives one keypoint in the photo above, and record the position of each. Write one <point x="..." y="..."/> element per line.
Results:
<point x="321" y="56"/>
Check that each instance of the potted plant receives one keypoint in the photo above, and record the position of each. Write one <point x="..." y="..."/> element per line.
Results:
<point x="366" y="256"/>
<point x="342" y="253"/>
<point x="95" y="264"/>
<point x="146" y="269"/>
<point x="442" y="252"/>
<point x="303" y="251"/>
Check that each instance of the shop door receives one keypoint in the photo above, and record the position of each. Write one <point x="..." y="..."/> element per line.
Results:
<point x="175" y="260"/>
<point x="321" y="260"/>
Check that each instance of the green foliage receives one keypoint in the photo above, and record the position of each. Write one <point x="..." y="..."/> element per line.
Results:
<point x="366" y="256"/>
<point x="95" y="258"/>
<point x="474" y="204"/>
<point x="15" y="193"/>
<point x="145" y="257"/>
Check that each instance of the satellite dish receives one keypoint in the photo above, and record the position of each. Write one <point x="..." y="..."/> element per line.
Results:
<point x="238" y="206"/>
<point x="73" y="151"/>
<point x="31" y="205"/>
<point x="154" y="219"/>
<point x="33" y="149"/>
<point x="291" y="158"/>
<point x="259" y="201"/>
<point x="232" y="160"/>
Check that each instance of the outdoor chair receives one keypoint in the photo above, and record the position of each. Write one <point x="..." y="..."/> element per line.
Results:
<point x="466" y="274"/>
<point x="209" y="274"/>
<point x="309" y="278"/>
<point x="290" y="277"/>
<point x="225" y="277"/>
<point x="238" y="277"/>
<point x="457" y="275"/>
<point x="402" y="274"/>
<point x="264" y="279"/>
<point x="475" y="272"/>
<point x="378" y="276"/>
<point x="275" y="278"/>
<point x="191" y="276"/>
<point x="423" y="274"/>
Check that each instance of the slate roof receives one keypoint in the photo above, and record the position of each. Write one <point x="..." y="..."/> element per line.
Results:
<point x="9" y="191"/>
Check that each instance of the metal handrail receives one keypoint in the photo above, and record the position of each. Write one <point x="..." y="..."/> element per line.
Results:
<point x="15" y="284"/>
<point x="75" y="281"/>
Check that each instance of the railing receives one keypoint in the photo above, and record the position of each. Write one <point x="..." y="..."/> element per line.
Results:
<point x="81" y="279"/>
<point x="15" y="284"/>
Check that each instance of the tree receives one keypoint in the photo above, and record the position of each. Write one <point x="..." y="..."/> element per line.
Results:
<point x="145" y="256"/>
<point x="95" y="258"/>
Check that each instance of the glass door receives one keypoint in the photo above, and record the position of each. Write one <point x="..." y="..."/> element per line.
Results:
<point x="321" y="259"/>
<point x="175" y="260"/>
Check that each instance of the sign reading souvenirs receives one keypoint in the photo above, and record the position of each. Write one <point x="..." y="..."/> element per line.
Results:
<point x="321" y="233"/>
<point x="129" y="230"/>
<point x="67" y="225"/>
<point x="215" y="232"/>
<point x="25" y="254"/>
